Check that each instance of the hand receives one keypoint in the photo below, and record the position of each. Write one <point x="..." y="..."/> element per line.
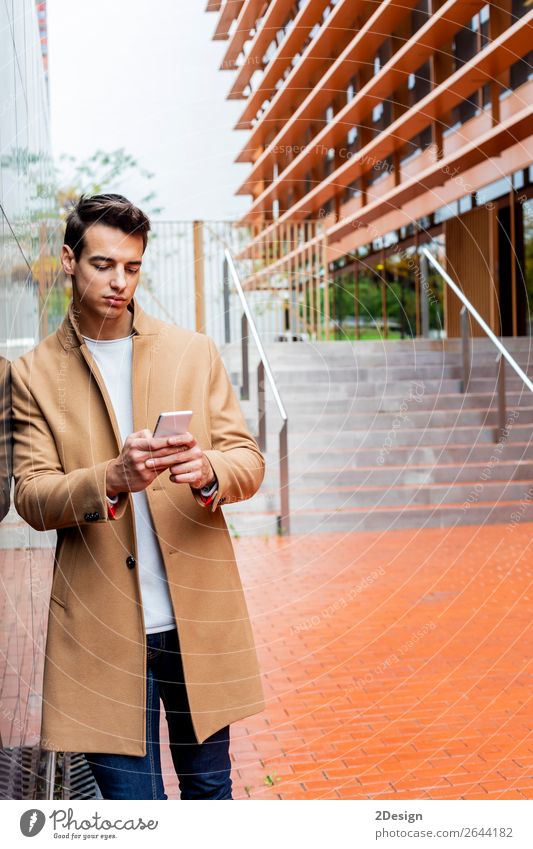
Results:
<point x="130" y="471"/>
<point x="189" y="465"/>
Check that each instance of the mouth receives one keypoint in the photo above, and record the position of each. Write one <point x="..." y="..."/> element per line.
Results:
<point x="114" y="301"/>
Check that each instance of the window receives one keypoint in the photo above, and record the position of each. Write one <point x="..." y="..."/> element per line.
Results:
<point x="382" y="116"/>
<point x="464" y="45"/>
<point x="416" y="145"/>
<point x="519" y="8"/>
<point x="466" y="110"/>
<point x="472" y="38"/>
<point x="351" y="90"/>
<point x="270" y="52"/>
<point x="380" y="169"/>
<point x="419" y="15"/>
<point x="353" y="190"/>
<point x="351" y="137"/>
<point x="329" y="162"/>
<point x="521" y="71"/>
<point x="469" y="41"/>
<point x="419" y="84"/>
<point x="382" y="56"/>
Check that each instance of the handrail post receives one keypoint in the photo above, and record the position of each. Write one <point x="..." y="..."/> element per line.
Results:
<point x="284" y="526"/>
<point x="245" y="386"/>
<point x="261" y="407"/>
<point x="480" y="320"/>
<point x="226" y="297"/>
<point x="502" y="400"/>
<point x="50" y="774"/>
<point x="466" y="349"/>
<point x="264" y="370"/>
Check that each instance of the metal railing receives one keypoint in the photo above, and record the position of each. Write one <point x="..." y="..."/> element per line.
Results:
<point x="466" y="347"/>
<point x="248" y="327"/>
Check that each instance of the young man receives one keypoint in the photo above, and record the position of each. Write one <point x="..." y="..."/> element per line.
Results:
<point x="146" y="599"/>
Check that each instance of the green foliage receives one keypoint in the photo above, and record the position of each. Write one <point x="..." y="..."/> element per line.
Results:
<point x="100" y="173"/>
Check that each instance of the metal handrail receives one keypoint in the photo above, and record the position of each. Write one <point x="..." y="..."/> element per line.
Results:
<point x="263" y="369"/>
<point x="466" y="347"/>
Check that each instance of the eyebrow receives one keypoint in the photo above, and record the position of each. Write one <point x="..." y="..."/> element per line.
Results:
<point x="110" y="259"/>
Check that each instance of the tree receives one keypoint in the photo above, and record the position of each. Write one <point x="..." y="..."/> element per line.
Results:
<point x="97" y="174"/>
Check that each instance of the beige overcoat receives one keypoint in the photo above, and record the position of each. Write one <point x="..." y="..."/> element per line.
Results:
<point x="65" y="433"/>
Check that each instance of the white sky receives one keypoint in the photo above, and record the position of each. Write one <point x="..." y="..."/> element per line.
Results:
<point x="144" y="75"/>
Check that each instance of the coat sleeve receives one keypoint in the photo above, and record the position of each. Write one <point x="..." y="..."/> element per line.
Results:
<point x="46" y="497"/>
<point x="234" y="455"/>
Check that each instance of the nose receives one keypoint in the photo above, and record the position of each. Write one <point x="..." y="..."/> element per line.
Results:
<point x="119" y="279"/>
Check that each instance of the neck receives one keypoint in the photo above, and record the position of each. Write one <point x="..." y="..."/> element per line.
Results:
<point x="106" y="329"/>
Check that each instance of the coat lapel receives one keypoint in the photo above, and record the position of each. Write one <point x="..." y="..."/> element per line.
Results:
<point x="143" y="414"/>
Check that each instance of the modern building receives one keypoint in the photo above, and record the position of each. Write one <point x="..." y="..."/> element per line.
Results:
<point x="43" y="35"/>
<point x="371" y="129"/>
<point x="28" y="247"/>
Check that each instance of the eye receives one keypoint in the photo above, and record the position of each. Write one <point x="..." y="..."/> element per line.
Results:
<point x="133" y="270"/>
<point x="102" y="267"/>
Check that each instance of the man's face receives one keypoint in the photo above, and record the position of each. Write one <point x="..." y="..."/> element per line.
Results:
<point x="107" y="272"/>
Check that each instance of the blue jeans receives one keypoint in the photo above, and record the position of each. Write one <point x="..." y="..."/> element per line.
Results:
<point x="203" y="769"/>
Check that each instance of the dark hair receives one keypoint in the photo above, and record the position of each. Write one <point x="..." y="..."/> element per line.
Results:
<point x="113" y="210"/>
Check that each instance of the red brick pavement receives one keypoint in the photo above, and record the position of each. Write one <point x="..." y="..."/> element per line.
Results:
<point x="396" y="665"/>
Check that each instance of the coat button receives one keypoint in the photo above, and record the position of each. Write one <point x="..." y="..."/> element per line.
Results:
<point x="130" y="561"/>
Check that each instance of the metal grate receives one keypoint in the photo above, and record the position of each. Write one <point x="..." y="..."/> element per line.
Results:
<point x="19" y="769"/>
<point x="77" y="779"/>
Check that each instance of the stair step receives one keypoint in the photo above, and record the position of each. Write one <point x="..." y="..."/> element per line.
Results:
<point x="316" y="403"/>
<point x="400" y="455"/>
<point x="346" y="497"/>
<point x="409" y="475"/>
<point x="411" y="417"/>
<point x="380" y="438"/>
<point x="351" y="520"/>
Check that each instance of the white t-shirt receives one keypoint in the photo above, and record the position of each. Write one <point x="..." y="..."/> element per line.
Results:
<point x="114" y="359"/>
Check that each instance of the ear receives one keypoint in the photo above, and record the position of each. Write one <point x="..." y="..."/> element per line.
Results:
<point x="68" y="260"/>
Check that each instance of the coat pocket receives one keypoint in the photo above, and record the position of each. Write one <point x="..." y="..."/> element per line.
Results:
<point x="65" y="561"/>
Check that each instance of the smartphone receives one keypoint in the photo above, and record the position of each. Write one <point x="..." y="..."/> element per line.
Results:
<point x="172" y="424"/>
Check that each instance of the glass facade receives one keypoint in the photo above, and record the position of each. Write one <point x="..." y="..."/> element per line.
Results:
<point x="31" y="304"/>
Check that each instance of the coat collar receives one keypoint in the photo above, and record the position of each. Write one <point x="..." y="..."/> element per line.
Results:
<point x="70" y="336"/>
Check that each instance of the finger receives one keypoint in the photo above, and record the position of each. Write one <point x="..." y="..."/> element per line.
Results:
<point x="180" y="468"/>
<point x="181" y="439"/>
<point x="171" y="449"/>
<point x="152" y="443"/>
<point x="165" y="461"/>
<point x="193" y="478"/>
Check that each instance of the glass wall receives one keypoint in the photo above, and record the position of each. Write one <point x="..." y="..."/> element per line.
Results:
<point x="29" y="235"/>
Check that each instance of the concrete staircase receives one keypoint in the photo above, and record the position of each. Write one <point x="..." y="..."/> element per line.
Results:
<point x="381" y="437"/>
